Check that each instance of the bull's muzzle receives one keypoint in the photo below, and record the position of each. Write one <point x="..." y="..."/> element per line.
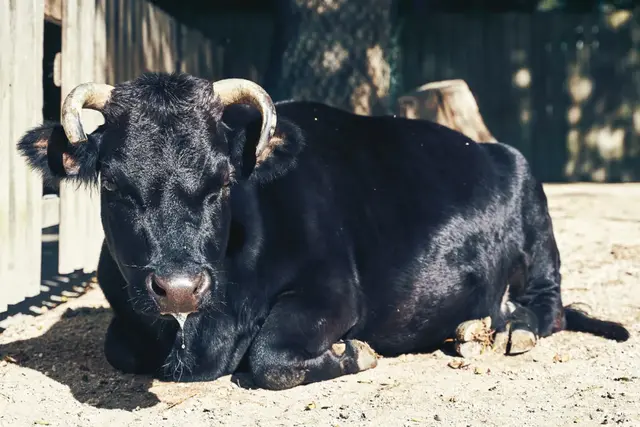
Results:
<point x="178" y="293"/>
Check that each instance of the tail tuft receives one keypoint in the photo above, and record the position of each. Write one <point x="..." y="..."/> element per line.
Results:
<point x="579" y="321"/>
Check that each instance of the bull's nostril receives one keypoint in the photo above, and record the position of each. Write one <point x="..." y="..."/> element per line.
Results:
<point x="201" y="282"/>
<point x="157" y="289"/>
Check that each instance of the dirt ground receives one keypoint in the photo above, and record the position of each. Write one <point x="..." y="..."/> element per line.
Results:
<point x="53" y="371"/>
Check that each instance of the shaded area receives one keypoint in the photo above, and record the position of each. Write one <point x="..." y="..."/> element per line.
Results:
<point x="603" y="140"/>
<point x="55" y="288"/>
<point x="339" y="52"/>
<point x="71" y="352"/>
<point x="562" y="87"/>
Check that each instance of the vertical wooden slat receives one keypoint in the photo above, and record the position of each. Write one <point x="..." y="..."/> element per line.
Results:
<point x="6" y="15"/>
<point x="33" y="117"/>
<point x="17" y="188"/>
<point x="78" y="203"/>
<point x="92" y="120"/>
<point x="112" y="34"/>
<point x="120" y="40"/>
<point x="95" y="232"/>
<point x="71" y="227"/>
<point x="20" y="188"/>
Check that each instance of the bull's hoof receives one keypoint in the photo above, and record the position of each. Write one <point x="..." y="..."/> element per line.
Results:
<point x="522" y="341"/>
<point x="355" y="351"/>
<point x="473" y="337"/>
<point x="470" y="349"/>
<point x="366" y="356"/>
<point x="514" y="341"/>
<point x="501" y="342"/>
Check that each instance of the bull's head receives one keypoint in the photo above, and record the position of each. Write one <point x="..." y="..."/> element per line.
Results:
<point x="166" y="162"/>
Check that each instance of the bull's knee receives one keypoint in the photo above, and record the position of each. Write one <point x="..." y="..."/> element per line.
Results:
<point x="274" y="372"/>
<point x="277" y="377"/>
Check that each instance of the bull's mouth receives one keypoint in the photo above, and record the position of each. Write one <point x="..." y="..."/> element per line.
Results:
<point x="181" y="318"/>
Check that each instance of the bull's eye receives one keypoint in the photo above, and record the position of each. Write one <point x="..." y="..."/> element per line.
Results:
<point x="108" y="185"/>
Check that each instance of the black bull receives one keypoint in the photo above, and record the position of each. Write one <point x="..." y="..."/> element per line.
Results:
<point x="296" y="238"/>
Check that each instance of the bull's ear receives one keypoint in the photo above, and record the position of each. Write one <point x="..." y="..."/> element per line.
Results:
<point x="243" y="124"/>
<point x="47" y="149"/>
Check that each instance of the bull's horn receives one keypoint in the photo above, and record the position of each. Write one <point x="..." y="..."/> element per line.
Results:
<point x="236" y="91"/>
<point x="92" y="96"/>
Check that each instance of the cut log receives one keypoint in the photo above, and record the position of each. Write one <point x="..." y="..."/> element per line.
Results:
<point x="449" y="103"/>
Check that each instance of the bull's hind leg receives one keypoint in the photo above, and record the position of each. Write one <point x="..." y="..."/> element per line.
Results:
<point x="516" y="335"/>
<point x="474" y="337"/>
<point x="520" y="332"/>
<point x="516" y="330"/>
<point x="532" y="305"/>
<point x="540" y="289"/>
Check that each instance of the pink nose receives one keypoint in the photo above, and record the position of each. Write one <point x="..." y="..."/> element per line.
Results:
<point x="178" y="293"/>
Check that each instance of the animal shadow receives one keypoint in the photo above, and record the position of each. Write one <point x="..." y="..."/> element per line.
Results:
<point x="71" y="352"/>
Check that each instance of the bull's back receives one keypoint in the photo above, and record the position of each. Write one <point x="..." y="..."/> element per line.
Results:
<point x="388" y="176"/>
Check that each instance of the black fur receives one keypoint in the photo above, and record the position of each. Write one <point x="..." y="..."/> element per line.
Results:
<point x="381" y="229"/>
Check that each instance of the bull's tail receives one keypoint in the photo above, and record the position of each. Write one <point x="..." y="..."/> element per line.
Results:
<point x="579" y="321"/>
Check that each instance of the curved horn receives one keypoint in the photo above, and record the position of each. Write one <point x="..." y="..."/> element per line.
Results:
<point x="236" y="91"/>
<point x="92" y="96"/>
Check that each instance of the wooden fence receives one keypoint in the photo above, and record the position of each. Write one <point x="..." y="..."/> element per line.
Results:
<point x="563" y="88"/>
<point x="102" y="40"/>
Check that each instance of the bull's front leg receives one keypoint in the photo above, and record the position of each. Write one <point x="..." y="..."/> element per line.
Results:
<point x="132" y="343"/>
<point x="131" y="349"/>
<point x="300" y="342"/>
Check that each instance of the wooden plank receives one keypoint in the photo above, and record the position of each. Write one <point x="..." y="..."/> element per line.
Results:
<point x="70" y="230"/>
<point x="94" y="228"/>
<point x="197" y="53"/>
<point x="20" y="188"/>
<point x="77" y="203"/>
<point x="84" y="71"/>
<point x="50" y="210"/>
<point x="6" y="15"/>
<point x="32" y="118"/>
<point x="111" y="33"/>
<point x="123" y="64"/>
<point x="17" y="188"/>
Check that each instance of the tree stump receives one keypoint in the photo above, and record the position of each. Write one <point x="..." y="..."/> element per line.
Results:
<point x="449" y="103"/>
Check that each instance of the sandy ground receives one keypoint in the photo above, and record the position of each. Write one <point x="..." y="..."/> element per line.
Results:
<point x="53" y="372"/>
